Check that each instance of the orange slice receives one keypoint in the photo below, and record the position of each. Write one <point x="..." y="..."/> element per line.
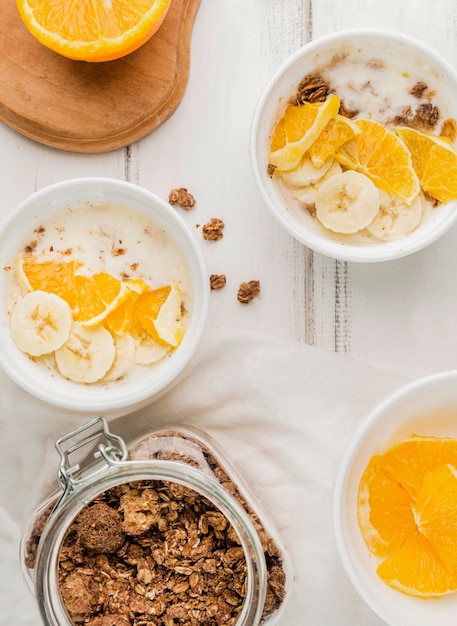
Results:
<point x="384" y="508"/>
<point x="338" y="130"/>
<point x="406" y="507"/>
<point x="416" y="569"/>
<point x="435" y="162"/>
<point x="147" y="308"/>
<point x="50" y="276"/>
<point x="435" y="512"/>
<point x="119" y="319"/>
<point x="298" y="128"/>
<point x="94" y="294"/>
<point x="93" y="30"/>
<point x="382" y="156"/>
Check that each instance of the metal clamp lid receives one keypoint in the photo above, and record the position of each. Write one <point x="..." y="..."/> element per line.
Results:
<point x="112" y="449"/>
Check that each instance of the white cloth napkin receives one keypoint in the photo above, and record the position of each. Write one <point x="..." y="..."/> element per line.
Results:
<point x="282" y="411"/>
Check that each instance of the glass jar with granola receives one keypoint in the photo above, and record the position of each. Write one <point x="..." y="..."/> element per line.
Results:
<point x="159" y="532"/>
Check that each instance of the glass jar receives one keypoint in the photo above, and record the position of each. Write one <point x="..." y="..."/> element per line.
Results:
<point x="160" y="530"/>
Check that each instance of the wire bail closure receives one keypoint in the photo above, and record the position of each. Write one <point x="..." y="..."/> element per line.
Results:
<point x="112" y="449"/>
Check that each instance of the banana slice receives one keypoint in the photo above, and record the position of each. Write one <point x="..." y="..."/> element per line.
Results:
<point x="395" y="218"/>
<point x="87" y="355"/>
<point x="149" y="351"/>
<point x="347" y="203"/>
<point x="305" y="174"/>
<point x="307" y="195"/>
<point x="124" y="355"/>
<point x="40" y="323"/>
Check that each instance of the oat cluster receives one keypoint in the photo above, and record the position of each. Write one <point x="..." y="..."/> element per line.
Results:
<point x="213" y="229"/>
<point x="182" y="198"/>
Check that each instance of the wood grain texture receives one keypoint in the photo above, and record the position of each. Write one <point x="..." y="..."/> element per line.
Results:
<point x="93" y="107"/>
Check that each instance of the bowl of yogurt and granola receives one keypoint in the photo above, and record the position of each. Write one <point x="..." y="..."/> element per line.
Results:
<point x="103" y="295"/>
<point x="354" y="145"/>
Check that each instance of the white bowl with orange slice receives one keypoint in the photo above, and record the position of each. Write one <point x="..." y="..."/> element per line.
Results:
<point x="103" y="295"/>
<point x="395" y="503"/>
<point x="353" y="145"/>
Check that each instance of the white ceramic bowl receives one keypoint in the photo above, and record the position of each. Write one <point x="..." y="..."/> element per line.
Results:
<point x="119" y="396"/>
<point x="404" y="54"/>
<point x="427" y="406"/>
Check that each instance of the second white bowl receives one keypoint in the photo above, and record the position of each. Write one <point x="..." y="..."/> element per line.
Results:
<point x="129" y="392"/>
<point x="411" y="60"/>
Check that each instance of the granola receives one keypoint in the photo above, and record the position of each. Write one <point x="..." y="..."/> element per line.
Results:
<point x="212" y="230"/>
<point x="180" y="561"/>
<point x="217" y="281"/>
<point x="183" y="448"/>
<point x="248" y="291"/>
<point x="182" y="198"/>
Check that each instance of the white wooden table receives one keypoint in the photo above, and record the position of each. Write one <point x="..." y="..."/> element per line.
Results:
<point x="397" y="315"/>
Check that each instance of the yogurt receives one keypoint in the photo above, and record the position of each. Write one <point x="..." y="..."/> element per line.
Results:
<point x="112" y="238"/>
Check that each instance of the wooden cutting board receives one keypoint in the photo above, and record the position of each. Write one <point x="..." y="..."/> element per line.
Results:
<point x="93" y="107"/>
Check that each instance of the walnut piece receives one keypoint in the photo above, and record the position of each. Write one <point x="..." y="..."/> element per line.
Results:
<point x="419" y="89"/>
<point x="312" y="88"/>
<point x="182" y="198"/>
<point x="217" y="281"/>
<point x="424" y="118"/>
<point x="247" y="291"/>
<point x="212" y="230"/>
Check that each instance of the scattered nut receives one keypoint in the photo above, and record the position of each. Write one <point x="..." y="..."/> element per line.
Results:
<point x="248" y="291"/>
<point x="217" y="281"/>
<point x="182" y="198"/>
<point x="212" y="230"/>
<point x="312" y="88"/>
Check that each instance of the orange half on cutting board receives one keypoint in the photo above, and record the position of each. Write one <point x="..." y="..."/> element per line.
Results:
<point x="93" y="30"/>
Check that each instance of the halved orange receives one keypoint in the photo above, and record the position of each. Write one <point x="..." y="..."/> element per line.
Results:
<point x="338" y="130"/>
<point x="435" y="162"/>
<point x="382" y="156"/>
<point x="93" y="30"/>
<point x="298" y="127"/>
